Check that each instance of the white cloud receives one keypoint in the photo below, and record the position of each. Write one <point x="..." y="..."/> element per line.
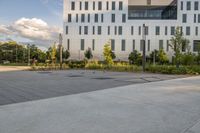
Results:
<point x="33" y="29"/>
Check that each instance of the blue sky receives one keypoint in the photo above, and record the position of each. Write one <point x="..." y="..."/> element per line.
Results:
<point x="42" y="15"/>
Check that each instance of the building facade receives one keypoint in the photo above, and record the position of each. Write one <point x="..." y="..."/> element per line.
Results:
<point x="92" y="23"/>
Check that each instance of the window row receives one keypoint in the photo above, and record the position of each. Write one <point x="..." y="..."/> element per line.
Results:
<point x="96" y="5"/>
<point x="118" y="30"/>
<point x="187" y="5"/>
<point x="196" y="18"/>
<point x="97" y="18"/>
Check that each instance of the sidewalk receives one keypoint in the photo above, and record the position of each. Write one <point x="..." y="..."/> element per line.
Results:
<point x="171" y="106"/>
<point x="13" y="68"/>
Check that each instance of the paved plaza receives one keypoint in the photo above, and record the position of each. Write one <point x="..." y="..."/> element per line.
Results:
<point x="165" y="106"/>
<point x="22" y="86"/>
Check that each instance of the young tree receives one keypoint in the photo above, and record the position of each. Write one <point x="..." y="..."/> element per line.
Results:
<point x="113" y="55"/>
<point x="53" y="54"/>
<point x="66" y="54"/>
<point x="108" y="54"/>
<point x="177" y="43"/>
<point x="162" y="57"/>
<point x="135" y="58"/>
<point x="88" y="54"/>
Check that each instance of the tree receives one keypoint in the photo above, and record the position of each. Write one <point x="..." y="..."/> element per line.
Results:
<point x="108" y="54"/>
<point x="176" y="44"/>
<point x="53" y="54"/>
<point x="198" y="55"/>
<point x="162" y="57"/>
<point x="88" y="54"/>
<point x="66" y="54"/>
<point x="113" y="55"/>
<point x="154" y="56"/>
<point x="135" y="58"/>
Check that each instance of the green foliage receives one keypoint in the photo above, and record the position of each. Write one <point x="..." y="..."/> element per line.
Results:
<point x="177" y="43"/>
<point x="53" y="54"/>
<point x="88" y="54"/>
<point x="135" y="58"/>
<point x="77" y="64"/>
<point x="188" y="59"/>
<point x="113" y="55"/>
<point x="108" y="57"/>
<point x="154" y="54"/>
<point x="162" y="57"/>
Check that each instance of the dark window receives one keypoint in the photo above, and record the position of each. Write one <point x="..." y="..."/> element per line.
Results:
<point x="113" y="18"/>
<point x="120" y="5"/>
<point x="82" y="18"/>
<point x="195" y="18"/>
<point x="68" y="44"/>
<point x="73" y="5"/>
<point x="146" y="30"/>
<point x="102" y="18"/>
<point x="148" y="2"/>
<point x="149" y="45"/>
<point x="123" y="45"/>
<point x="166" y="30"/>
<point x="86" y="5"/>
<point x="160" y="44"/>
<point x="85" y="30"/>
<point x="80" y="30"/>
<point x="113" y="45"/>
<point x="120" y="30"/>
<point x="123" y="18"/>
<point x="133" y="45"/>
<point x="157" y="30"/>
<point x="93" y="5"/>
<point x="181" y="5"/>
<point x="99" y="30"/>
<point x="113" y="5"/>
<point x="187" y="30"/>
<point x="93" y="44"/>
<point x="132" y="30"/>
<point x="196" y="31"/>
<point x="82" y="44"/>
<point x="76" y="17"/>
<point x="172" y="30"/>
<point x="80" y="5"/>
<point x="141" y="45"/>
<point x="196" y="45"/>
<point x="196" y="5"/>
<point x="66" y="30"/>
<point x="115" y="30"/>
<point x="184" y="18"/>
<point x="188" y="5"/>
<point x="139" y="30"/>
<point x="96" y="18"/>
<point x="108" y="30"/>
<point x="99" y="5"/>
<point x="88" y="18"/>
<point x="107" y="5"/>
<point x="198" y="18"/>
<point x="93" y="30"/>
<point x="168" y="45"/>
<point x="69" y="18"/>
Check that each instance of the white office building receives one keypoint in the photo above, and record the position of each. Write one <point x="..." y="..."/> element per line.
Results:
<point x="92" y="23"/>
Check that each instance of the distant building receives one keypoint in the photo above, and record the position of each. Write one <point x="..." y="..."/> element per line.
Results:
<point x="92" y="23"/>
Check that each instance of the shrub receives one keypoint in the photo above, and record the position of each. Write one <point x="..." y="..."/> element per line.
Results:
<point x="77" y="64"/>
<point x="135" y="58"/>
<point x="88" y="54"/>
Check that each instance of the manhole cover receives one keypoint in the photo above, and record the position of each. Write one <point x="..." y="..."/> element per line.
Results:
<point x="103" y="78"/>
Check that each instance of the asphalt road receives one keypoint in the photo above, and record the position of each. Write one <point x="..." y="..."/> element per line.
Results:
<point x="22" y="86"/>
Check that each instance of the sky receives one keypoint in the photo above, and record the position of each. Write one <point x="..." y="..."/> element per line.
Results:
<point x="31" y="21"/>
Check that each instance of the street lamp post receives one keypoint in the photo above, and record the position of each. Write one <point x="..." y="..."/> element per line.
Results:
<point x="144" y="47"/>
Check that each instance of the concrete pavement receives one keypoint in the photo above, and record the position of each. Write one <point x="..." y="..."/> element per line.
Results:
<point x="171" y="106"/>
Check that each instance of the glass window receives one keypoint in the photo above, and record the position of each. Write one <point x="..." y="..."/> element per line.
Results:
<point x="93" y="30"/>
<point x="113" y="18"/>
<point x="133" y="45"/>
<point x="146" y="30"/>
<point x="198" y="18"/>
<point x="66" y="30"/>
<point x="113" y="45"/>
<point x="68" y="44"/>
<point x="196" y="5"/>
<point x="99" y="30"/>
<point x="172" y="30"/>
<point x="82" y="44"/>
<point x="181" y="5"/>
<point x="148" y="2"/>
<point x="160" y="44"/>
<point x="82" y="18"/>
<point x="69" y="18"/>
<point x="76" y="17"/>
<point x="184" y="18"/>
<point x="139" y="30"/>
<point x="120" y="30"/>
<point x="93" y="44"/>
<point x="196" y="31"/>
<point x="196" y="45"/>
<point x="141" y="45"/>
<point x="85" y="30"/>
<point x="108" y="30"/>
<point x="93" y="5"/>
<point x="166" y="30"/>
<point x="195" y="18"/>
<point x="107" y="5"/>
<point x="187" y="30"/>
<point x="115" y="30"/>
<point x="102" y="18"/>
<point x="132" y="30"/>
<point x="73" y="5"/>
<point x="80" y="30"/>
<point x="120" y="5"/>
<point x="123" y="18"/>
<point x="80" y="5"/>
<point x="157" y="30"/>
<point x="113" y="5"/>
<point x="86" y="5"/>
<point x="188" y="5"/>
<point x="88" y="18"/>
<point x="149" y="47"/>
<point x="99" y="5"/>
<point x="96" y="18"/>
<point x="123" y="45"/>
<point x="168" y="45"/>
